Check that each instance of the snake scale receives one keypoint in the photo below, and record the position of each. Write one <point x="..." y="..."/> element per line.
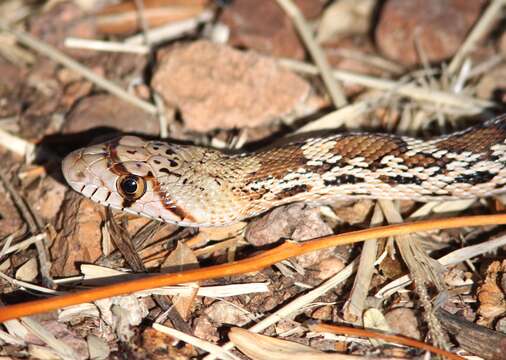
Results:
<point x="196" y="186"/>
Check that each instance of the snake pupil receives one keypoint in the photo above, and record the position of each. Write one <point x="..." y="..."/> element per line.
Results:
<point x="129" y="185"/>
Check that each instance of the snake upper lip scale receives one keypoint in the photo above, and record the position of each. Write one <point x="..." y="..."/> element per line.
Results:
<point x="195" y="186"/>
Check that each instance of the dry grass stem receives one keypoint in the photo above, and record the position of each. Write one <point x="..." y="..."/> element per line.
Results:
<point x="464" y="103"/>
<point x="162" y="116"/>
<point x="22" y="244"/>
<point x="319" y="57"/>
<point x="486" y="65"/>
<point x="107" y="46"/>
<point x="424" y="270"/>
<point x="35" y="226"/>
<point x="491" y="14"/>
<point x="338" y="118"/>
<point x="17" y="145"/>
<point x="372" y="60"/>
<point x="171" y="31"/>
<point x="29" y="286"/>
<point x="62" y="349"/>
<point x="63" y="59"/>
<point x="356" y="304"/>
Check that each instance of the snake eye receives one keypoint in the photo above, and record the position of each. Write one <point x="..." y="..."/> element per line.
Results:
<point x="131" y="186"/>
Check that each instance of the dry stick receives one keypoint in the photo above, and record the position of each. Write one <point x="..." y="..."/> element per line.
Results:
<point x="108" y="46"/>
<point x="335" y="91"/>
<point x="415" y="92"/>
<point x="387" y="337"/>
<point x="479" y="30"/>
<point x="173" y="30"/>
<point x="63" y="59"/>
<point x="35" y="226"/>
<point x="476" y="339"/>
<point x="139" y="4"/>
<point x="255" y="263"/>
<point x="356" y="303"/>
<point x="17" y="145"/>
<point x="423" y="270"/>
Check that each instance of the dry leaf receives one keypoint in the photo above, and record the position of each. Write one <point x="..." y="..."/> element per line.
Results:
<point x="97" y="347"/>
<point x="122" y="312"/>
<point x="224" y="312"/>
<point x="182" y="258"/>
<point x="374" y="319"/>
<point x="491" y="296"/>
<point x="28" y="271"/>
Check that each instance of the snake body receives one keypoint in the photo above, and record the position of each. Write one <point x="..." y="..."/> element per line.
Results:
<point x="196" y="186"/>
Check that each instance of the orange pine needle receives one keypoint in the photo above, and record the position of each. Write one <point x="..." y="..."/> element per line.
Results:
<point x="255" y="263"/>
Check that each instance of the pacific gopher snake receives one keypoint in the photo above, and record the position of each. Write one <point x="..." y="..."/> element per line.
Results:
<point x="196" y="186"/>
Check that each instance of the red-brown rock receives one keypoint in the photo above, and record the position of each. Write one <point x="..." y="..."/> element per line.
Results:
<point x="215" y="86"/>
<point x="111" y="112"/>
<point x="263" y="26"/>
<point x="439" y="26"/>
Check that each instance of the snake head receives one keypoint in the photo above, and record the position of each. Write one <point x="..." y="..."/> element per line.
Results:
<point x="132" y="175"/>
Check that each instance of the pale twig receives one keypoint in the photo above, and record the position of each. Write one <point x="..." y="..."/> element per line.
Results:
<point x="337" y="118"/>
<point x="109" y="46"/>
<point x="357" y="300"/>
<point x="17" y="145"/>
<point x="171" y="31"/>
<point x="472" y="105"/>
<point x="22" y="244"/>
<point x="58" y="56"/>
<point x="334" y="89"/>
<point x="490" y="15"/>
<point x="27" y="285"/>
<point x="162" y="116"/>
